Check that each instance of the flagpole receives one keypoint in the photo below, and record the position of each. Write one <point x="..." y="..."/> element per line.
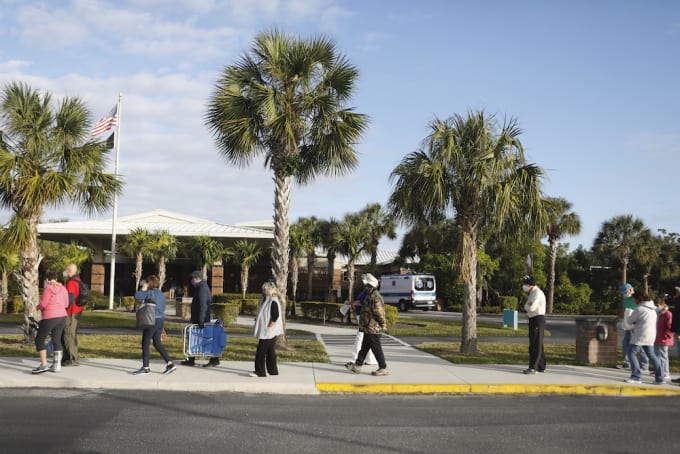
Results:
<point x="115" y="204"/>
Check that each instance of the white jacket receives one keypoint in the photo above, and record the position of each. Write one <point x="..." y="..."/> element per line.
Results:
<point x="643" y="321"/>
<point x="261" y="328"/>
<point x="535" y="304"/>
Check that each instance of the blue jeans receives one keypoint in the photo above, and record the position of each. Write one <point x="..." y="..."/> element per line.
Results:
<point x="625" y="344"/>
<point x="661" y="352"/>
<point x="635" y="365"/>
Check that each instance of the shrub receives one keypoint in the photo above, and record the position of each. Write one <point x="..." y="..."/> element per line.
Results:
<point x="250" y="305"/>
<point x="391" y="316"/>
<point x="128" y="302"/>
<point x="97" y="299"/>
<point x="227" y="312"/>
<point x="508" y="302"/>
<point x="489" y="310"/>
<point x="321" y="310"/>
<point x="16" y="305"/>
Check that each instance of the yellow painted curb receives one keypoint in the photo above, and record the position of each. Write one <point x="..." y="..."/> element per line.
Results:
<point x="497" y="389"/>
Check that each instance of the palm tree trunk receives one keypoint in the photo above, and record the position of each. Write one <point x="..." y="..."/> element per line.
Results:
<point x="350" y="280"/>
<point x="204" y="271"/>
<point x="138" y="269"/>
<point x="331" y="272"/>
<point x="468" y="343"/>
<point x="244" y="282"/>
<point x="280" y="252"/>
<point x="310" y="275"/>
<point x="551" y="278"/>
<point x="28" y="287"/>
<point x="161" y="271"/>
<point x="4" y="292"/>
<point x="294" y="278"/>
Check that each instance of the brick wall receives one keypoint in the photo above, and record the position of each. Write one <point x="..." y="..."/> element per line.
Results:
<point x="591" y="350"/>
<point x="97" y="277"/>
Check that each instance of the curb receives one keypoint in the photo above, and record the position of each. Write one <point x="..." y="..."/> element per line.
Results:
<point x="496" y="389"/>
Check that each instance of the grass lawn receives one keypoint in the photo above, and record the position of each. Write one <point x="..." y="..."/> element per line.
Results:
<point x="452" y="328"/>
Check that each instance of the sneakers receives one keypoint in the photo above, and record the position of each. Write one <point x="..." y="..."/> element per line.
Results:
<point x="170" y="368"/>
<point x="40" y="369"/>
<point x="530" y="371"/>
<point x="624" y="366"/>
<point x="189" y="362"/>
<point x="142" y="371"/>
<point x="380" y="372"/>
<point x="353" y="367"/>
<point x="254" y="375"/>
<point x="675" y="380"/>
<point x="632" y="381"/>
<point x="659" y="382"/>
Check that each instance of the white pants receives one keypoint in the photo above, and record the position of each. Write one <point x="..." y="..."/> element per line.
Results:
<point x="370" y="359"/>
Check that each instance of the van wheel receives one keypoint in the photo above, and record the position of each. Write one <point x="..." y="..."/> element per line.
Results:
<point x="402" y="306"/>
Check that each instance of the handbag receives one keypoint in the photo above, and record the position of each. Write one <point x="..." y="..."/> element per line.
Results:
<point x="146" y="313"/>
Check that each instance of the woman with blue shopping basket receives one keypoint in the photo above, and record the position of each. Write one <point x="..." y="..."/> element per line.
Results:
<point x="268" y="325"/>
<point x="149" y="291"/>
<point x="53" y="306"/>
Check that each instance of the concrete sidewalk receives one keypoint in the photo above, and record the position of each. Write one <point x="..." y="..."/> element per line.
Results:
<point x="411" y="372"/>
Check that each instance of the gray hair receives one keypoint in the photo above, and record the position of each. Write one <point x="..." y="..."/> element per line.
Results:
<point x="269" y="288"/>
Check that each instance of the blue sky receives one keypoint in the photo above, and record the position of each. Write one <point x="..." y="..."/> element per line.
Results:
<point x="594" y="85"/>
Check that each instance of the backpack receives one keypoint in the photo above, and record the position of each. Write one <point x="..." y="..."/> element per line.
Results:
<point x="83" y="293"/>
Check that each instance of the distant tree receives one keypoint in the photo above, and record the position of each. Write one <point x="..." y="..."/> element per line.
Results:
<point x="329" y="242"/>
<point x="298" y="247"/>
<point x="163" y="248"/>
<point x="309" y="227"/>
<point x="621" y="237"/>
<point x="46" y="160"/>
<point x="206" y="252"/>
<point x="137" y="245"/>
<point x="379" y="224"/>
<point x="56" y="256"/>
<point x="9" y="264"/>
<point x="352" y="238"/>
<point x="561" y="222"/>
<point x="246" y="254"/>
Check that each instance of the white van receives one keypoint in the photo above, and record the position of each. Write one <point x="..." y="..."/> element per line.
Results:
<point x="406" y="291"/>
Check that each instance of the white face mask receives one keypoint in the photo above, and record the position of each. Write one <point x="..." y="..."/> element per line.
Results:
<point x="64" y="273"/>
<point x="525" y="288"/>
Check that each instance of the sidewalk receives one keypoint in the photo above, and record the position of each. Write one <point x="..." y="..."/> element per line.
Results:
<point x="411" y="372"/>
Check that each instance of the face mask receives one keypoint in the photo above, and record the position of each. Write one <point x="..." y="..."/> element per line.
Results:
<point x="525" y="288"/>
<point x="194" y="282"/>
<point x="658" y="309"/>
<point x="64" y="273"/>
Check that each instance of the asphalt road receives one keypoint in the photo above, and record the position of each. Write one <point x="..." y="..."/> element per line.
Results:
<point x="67" y="421"/>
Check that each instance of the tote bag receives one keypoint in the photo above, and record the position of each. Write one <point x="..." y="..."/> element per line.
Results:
<point x="146" y="312"/>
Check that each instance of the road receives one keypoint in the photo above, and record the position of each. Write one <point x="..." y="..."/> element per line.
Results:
<point x="68" y="421"/>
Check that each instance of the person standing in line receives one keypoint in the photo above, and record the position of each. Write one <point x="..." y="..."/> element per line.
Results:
<point x="664" y="337"/>
<point x="535" y="309"/>
<point x="372" y="322"/>
<point x="53" y="305"/>
<point x="674" y="305"/>
<point x="629" y="306"/>
<point x="73" y="315"/>
<point x="643" y="334"/>
<point x="149" y="289"/>
<point x="200" y="312"/>
<point x="268" y="326"/>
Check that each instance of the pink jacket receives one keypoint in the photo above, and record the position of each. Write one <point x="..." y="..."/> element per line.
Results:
<point x="54" y="301"/>
<point x="664" y="335"/>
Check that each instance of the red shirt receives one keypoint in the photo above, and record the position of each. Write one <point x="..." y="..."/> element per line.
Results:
<point x="73" y="289"/>
<point x="664" y="335"/>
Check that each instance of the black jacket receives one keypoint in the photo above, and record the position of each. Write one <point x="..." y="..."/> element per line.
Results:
<point x="200" y="303"/>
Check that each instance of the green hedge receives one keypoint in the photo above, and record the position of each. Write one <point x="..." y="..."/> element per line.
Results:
<point x="250" y="305"/>
<point x="15" y="305"/>
<point x="508" y="302"/>
<point x="128" y="302"/>
<point x="227" y="312"/>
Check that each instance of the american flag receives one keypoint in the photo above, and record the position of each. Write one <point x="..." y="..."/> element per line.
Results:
<point x="106" y="123"/>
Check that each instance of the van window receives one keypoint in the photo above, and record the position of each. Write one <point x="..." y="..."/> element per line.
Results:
<point x="424" y="283"/>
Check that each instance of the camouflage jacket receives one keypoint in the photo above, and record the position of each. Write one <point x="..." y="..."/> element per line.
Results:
<point x="372" y="319"/>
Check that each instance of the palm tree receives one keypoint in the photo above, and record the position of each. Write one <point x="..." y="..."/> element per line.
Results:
<point x="298" y="246"/>
<point x="246" y="254"/>
<point x="309" y="227"/>
<point x="649" y="255"/>
<point x="352" y="238"/>
<point x="46" y="160"/>
<point x="137" y="245"/>
<point x="286" y="100"/>
<point x="327" y="232"/>
<point x="561" y="222"/>
<point x="206" y="252"/>
<point x="163" y="248"/>
<point x="379" y="224"/>
<point x="621" y="236"/>
<point x="476" y="170"/>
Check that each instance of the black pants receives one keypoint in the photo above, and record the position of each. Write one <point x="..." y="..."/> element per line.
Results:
<point x="371" y="342"/>
<point x="149" y="334"/>
<point x="536" y="351"/>
<point x="47" y="326"/>
<point x="266" y="356"/>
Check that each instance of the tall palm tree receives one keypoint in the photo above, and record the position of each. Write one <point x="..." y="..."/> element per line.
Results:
<point x="286" y="100"/>
<point x="327" y="231"/>
<point x="621" y="236"/>
<point x="561" y="222"/>
<point x="246" y="254"/>
<point x="205" y="251"/>
<point x="309" y="227"/>
<point x="352" y="238"/>
<point x="137" y="245"/>
<point x="471" y="167"/>
<point x="649" y="255"/>
<point x="46" y="160"/>
<point x="163" y="248"/>
<point x="379" y="224"/>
